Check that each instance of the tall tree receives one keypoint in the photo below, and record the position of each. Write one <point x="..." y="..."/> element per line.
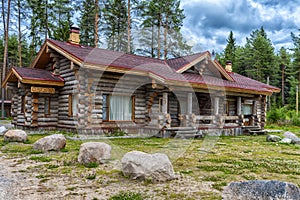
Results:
<point x="6" y="32"/>
<point x="59" y="20"/>
<point x="89" y="22"/>
<point x="229" y="52"/>
<point x="162" y="21"/>
<point x="115" y="27"/>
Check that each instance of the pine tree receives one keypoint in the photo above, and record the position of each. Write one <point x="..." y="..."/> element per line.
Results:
<point x="59" y="20"/>
<point x="229" y="52"/>
<point x="115" y="28"/>
<point x="89" y="22"/>
<point x="162" y="21"/>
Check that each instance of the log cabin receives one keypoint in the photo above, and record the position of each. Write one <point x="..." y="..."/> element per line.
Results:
<point x="96" y="91"/>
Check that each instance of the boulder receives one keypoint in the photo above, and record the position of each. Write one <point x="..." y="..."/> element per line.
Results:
<point x="15" y="136"/>
<point x="154" y="167"/>
<point x="273" y="138"/>
<point x="295" y="139"/>
<point x="94" y="152"/>
<point x="3" y="130"/>
<point x="54" y="142"/>
<point x="261" y="190"/>
<point x="286" y="141"/>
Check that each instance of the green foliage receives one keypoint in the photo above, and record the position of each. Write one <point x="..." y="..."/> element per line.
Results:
<point x="41" y="158"/>
<point x="283" y="116"/>
<point x="115" y="27"/>
<point x="127" y="196"/>
<point x="92" y="165"/>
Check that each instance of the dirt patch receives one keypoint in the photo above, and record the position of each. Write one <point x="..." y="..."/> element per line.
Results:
<point x="36" y="180"/>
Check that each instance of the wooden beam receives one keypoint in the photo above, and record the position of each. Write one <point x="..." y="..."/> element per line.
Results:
<point x="239" y="106"/>
<point x="190" y="103"/>
<point x="165" y="103"/>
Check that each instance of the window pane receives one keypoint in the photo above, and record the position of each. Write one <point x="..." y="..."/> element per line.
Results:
<point x="47" y="105"/>
<point x="247" y="109"/>
<point x="120" y="108"/>
<point x="104" y="107"/>
<point x="74" y="104"/>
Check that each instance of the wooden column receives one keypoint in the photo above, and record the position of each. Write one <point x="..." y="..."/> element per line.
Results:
<point x="239" y="106"/>
<point x="190" y="103"/>
<point x="216" y="105"/>
<point x="165" y="103"/>
<point x="254" y="110"/>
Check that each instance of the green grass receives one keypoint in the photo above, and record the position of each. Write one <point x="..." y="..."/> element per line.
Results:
<point x="230" y="159"/>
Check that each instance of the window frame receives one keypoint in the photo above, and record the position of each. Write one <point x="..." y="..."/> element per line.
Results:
<point x="107" y="107"/>
<point x="49" y="104"/>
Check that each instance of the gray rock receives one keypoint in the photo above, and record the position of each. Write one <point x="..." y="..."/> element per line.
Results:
<point x="295" y="139"/>
<point x="94" y="152"/>
<point x="54" y="142"/>
<point x="3" y="130"/>
<point x="15" y="136"/>
<point x="9" y="189"/>
<point x="261" y="190"/>
<point x="286" y="141"/>
<point x="273" y="138"/>
<point x="140" y="165"/>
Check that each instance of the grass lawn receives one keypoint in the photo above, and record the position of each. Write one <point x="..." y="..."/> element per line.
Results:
<point x="215" y="161"/>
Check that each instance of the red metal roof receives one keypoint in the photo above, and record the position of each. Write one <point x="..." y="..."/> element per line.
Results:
<point x="166" y="70"/>
<point x="37" y="74"/>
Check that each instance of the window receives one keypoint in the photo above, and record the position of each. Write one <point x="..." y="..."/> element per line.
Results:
<point x="117" y="108"/>
<point x="73" y="101"/>
<point x="47" y="106"/>
<point x="247" y="109"/>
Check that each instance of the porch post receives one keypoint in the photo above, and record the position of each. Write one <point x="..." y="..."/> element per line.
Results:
<point x="254" y="107"/>
<point x="165" y="103"/>
<point x="216" y="106"/>
<point x="190" y="103"/>
<point x="239" y="106"/>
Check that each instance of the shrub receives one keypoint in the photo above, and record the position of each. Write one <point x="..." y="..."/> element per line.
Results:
<point x="283" y="116"/>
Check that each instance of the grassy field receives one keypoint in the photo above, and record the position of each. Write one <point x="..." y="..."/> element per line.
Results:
<point x="215" y="161"/>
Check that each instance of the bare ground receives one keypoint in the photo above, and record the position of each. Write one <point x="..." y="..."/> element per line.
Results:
<point x="32" y="180"/>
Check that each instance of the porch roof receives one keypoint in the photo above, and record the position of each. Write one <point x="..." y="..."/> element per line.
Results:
<point x="172" y="71"/>
<point x="33" y="76"/>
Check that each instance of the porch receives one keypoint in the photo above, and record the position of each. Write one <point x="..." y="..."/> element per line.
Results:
<point x="197" y="114"/>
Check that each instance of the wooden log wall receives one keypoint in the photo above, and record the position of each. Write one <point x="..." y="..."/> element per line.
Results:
<point x="45" y="119"/>
<point x="94" y="84"/>
<point x="62" y="66"/>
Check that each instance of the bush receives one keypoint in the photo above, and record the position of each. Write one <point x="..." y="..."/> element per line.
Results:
<point x="283" y="116"/>
<point x="127" y="196"/>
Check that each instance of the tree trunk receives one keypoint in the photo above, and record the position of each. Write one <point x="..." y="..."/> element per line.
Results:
<point x="166" y="38"/>
<point x="5" y="54"/>
<point x="152" y="41"/>
<point x="158" y="36"/>
<point x="46" y="20"/>
<point x="128" y="28"/>
<point x="20" y="34"/>
<point x="96" y="34"/>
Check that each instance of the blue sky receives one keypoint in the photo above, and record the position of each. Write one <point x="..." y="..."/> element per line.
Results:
<point x="208" y="22"/>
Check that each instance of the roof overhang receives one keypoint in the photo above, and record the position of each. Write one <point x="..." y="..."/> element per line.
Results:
<point x="14" y="76"/>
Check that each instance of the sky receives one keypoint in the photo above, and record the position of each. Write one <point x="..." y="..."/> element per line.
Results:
<point x="208" y="22"/>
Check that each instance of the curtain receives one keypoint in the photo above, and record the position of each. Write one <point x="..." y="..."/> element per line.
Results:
<point x="74" y="104"/>
<point x="120" y="108"/>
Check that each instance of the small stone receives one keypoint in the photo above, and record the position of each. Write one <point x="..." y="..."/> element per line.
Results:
<point x="94" y="152"/>
<point x="261" y="190"/>
<point x="15" y="136"/>
<point x="273" y="138"/>
<point x="154" y="167"/>
<point x="295" y="139"/>
<point x="286" y="141"/>
<point x="3" y="130"/>
<point x="54" y="142"/>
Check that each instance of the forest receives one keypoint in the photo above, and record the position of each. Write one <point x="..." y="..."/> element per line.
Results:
<point x="150" y="28"/>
